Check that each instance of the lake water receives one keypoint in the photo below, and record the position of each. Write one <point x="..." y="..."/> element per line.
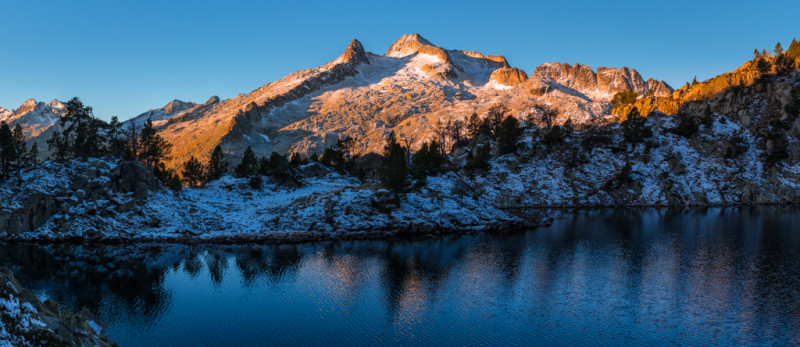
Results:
<point x="626" y="276"/>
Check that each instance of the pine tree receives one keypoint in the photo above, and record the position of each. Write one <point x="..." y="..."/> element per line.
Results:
<point x="694" y="81"/>
<point x="428" y="160"/>
<point x="547" y="114"/>
<point x="794" y="49"/>
<point x="296" y="160"/>
<point x="635" y="128"/>
<point x="33" y="155"/>
<point x="217" y="166"/>
<point x="263" y="166"/>
<point x="756" y="54"/>
<point x="495" y="116"/>
<point x="6" y="150"/>
<point x="152" y="147"/>
<point x="784" y="65"/>
<point x="116" y="144"/>
<point x="248" y="166"/>
<point x="57" y="147"/>
<point x="193" y="172"/>
<point x="395" y="171"/>
<point x="19" y="154"/>
<point x="81" y="136"/>
<point x="132" y="143"/>
<point x="507" y="135"/>
<point x="474" y="125"/>
<point x="778" y="49"/>
<point x="763" y="66"/>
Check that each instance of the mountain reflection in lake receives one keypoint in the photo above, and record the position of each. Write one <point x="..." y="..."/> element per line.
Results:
<point x="645" y="276"/>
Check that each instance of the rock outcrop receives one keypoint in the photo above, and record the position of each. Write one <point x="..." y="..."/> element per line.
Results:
<point x="26" y="321"/>
<point x="509" y="76"/>
<point x="104" y="187"/>
<point x="601" y="85"/>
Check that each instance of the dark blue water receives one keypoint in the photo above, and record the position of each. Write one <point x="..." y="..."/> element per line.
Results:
<point x="626" y="276"/>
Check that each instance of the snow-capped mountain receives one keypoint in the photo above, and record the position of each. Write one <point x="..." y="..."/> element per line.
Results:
<point x="34" y="117"/>
<point x="409" y="89"/>
<point x="160" y="115"/>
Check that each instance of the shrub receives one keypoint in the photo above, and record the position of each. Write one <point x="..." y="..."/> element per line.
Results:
<point x="635" y="129"/>
<point x="624" y="98"/>
<point x="686" y="127"/>
<point x="735" y="146"/>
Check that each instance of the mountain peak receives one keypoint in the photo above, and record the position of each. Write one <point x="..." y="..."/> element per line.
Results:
<point x="407" y="45"/>
<point x="27" y="106"/>
<point x="354" y="53"/>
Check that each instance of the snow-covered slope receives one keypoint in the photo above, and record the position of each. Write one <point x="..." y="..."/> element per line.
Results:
<point x="363" y="95"/>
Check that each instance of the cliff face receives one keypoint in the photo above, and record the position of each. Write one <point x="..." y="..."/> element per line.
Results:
<point x="744" y="94"/>
<point x="604" y="83"/>
<point x="508" y="76"/>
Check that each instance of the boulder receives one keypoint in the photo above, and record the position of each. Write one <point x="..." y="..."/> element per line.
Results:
<point x="314" y="169"/>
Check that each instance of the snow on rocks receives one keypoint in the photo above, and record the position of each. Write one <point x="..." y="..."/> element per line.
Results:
<point x="27" y="321"/>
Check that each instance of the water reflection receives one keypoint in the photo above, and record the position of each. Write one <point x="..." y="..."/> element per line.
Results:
<point x="693" y="276"/>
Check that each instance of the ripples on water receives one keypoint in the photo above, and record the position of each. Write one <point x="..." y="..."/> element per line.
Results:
<point x="698" y="276"/>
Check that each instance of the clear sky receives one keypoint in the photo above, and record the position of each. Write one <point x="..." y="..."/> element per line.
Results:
<point x="124" y="57"/>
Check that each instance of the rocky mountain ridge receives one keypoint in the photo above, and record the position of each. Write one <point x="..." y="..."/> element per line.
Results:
<point x="362" y="95"/>
<point x="410" y="89"/>
<point x="34" y="116"/>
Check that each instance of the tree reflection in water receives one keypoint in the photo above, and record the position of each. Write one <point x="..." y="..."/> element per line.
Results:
<point x="639" y="275"/>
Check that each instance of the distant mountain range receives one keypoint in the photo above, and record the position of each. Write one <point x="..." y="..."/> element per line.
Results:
<point x="409" y="89"/>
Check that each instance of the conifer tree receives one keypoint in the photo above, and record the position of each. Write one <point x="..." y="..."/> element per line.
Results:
<point x="19" y="155"/>
<point x="217" y="166"/>
<point x="81" y="136"/>
<point x="395" y="171"/>
<point x="7" y="149"/>
<point x="495" y="116"/>
<point x="192" y="172"/>
<point x="296" y="160"/>
<point x="778" y="49"/>
<point x="794" y="49"/>
<point x="784" y="65"/>
<point x="507" y="135"/>
<point x="33" y="155"/>
<point x="116" y="143"/>
<point x="474" y="125"/>
<point x="248" y="166"/>
<point x="635" y="128"/>
<point x="547" y="114"/>
<point x="762" y="65"/>
<point x="152" y="148"/>
<point x="428" y="160"/>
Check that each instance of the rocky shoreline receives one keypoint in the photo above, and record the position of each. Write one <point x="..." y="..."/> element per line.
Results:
<point x="27" y="321"/>
<point x="406" y="232"/>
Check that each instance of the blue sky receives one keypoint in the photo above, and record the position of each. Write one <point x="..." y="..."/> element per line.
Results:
<point x="124" y="58"/>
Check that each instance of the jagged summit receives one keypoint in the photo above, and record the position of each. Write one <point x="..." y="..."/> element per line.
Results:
<point x="601" y="84"/>
<point x="407" y="45"/>
<point x="354" y="54"/>
<point x="177" y="106"/>
<point x="411" y="88"/>
<point x="212" y="100"/>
